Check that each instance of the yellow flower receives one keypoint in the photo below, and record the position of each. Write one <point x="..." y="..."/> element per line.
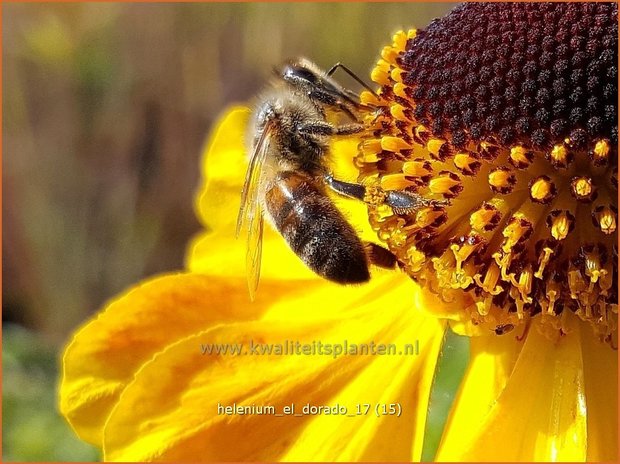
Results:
<point x="139" y="383"/>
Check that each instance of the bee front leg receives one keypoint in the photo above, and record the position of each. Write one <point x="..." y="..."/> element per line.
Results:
<point x="380" y="256"/>
<point x="315" y="128"/>
<point x="348" y="129"/>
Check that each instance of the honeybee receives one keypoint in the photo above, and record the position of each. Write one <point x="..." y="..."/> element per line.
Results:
<point x="503" y="329"/>
<point x="287" y="177"/>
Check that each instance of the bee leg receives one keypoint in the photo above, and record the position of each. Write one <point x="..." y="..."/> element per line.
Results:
<point x="379" y="256"/>
<point x="324" y="128"/>
<point x="404" y="202"/>
<point x="401" y="201"/>
<point x="348" y="129"/>
<point x="347" y="189"/>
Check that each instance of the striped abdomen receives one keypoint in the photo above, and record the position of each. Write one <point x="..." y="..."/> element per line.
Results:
<point x="314" y="228"/>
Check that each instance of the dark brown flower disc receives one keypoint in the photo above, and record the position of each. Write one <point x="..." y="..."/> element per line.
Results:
<point x="506" y="113"/>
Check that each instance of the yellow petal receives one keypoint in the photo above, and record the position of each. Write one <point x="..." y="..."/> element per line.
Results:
<point x="170" y="410"/>
<point x="319" y="299"/>
<point x="219" y="254"/>
<point x="104" y="354"/>
<point x="406" y="388"/>
<point x="491" y="362"/>
<point x="223" y="170"/>
<point x="540" y="415"/>
<point x="600" y="366"/>
<point x="433" y="305"/>
<point x="342" y="152"/>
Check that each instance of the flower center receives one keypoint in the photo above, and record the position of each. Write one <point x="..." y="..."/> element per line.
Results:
<point x="520" y="155"/>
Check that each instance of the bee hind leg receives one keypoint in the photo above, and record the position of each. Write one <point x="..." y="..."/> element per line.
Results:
<point x="347" y="189"/>
<point x="379" y="256"/>
<point x="401" y="201"/>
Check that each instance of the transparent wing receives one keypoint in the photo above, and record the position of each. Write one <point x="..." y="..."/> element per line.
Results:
<point x="250" y="217"/>
<point x="253" y="254"/>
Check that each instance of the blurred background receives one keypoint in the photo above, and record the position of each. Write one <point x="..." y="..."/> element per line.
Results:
<point x="105" y="110"/>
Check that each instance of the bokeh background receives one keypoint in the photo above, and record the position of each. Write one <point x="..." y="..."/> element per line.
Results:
<point x="105" y="110"/>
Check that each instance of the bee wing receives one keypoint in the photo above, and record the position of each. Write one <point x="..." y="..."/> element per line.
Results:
<point x="250" y="217"/>
<point x="253" y="254"/>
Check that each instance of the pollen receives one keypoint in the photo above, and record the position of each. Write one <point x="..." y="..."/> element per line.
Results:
<point x="399" y="112"/>
<point x="520" y="157"/>
<point x="467" y="163"/>
<point x="446" y="183"/>
<point x="370" y="99"/>
<point x="394" y="144"/>
<point x="560" y="223"/>
<point x="506" y="116"/>
<point x="600" y="153"/>
<point x="542" y="190"/>
<point x="486" y="218"/>
<point x="605" y="218"/>
<point x="582" y="188"/>
<point x="560" y="156"/>
<point x="502" y="180"/>
<point x="374" y="195"/>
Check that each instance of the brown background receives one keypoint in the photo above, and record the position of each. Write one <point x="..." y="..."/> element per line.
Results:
<point x="106" y="107"/>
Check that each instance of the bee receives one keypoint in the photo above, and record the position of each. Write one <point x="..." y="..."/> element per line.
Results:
<point x="287" y="178"/>
<point x="503" y="329"/>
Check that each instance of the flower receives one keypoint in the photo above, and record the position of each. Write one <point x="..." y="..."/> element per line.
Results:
<point x="516" y="238"/>
<point x="137" y="383"/>
<point x="510" y="120"/>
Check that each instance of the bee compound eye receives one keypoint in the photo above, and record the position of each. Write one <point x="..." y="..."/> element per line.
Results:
<point x="307" y="75"/>
<point x="297" y="73"/>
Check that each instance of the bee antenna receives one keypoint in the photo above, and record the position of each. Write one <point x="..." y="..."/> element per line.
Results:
<point x="333" y="69"/>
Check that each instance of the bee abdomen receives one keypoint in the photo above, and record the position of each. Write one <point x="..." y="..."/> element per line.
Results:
<point x="315" y="230"/>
